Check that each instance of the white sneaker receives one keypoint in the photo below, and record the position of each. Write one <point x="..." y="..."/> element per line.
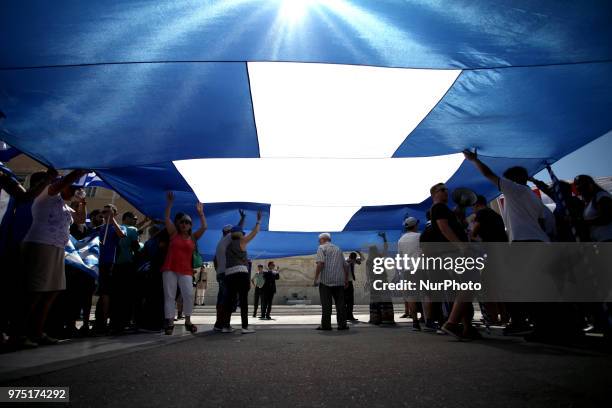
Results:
<point x="227" y="330"/>
<point x="247" y="331"/>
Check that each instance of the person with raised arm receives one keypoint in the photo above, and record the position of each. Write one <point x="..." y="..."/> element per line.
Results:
<point x="15" y="221"/>
<point x="524" y="211"/>
<point x="349" y="292"/>
<point x="109" y="234"/>
<point x="219" y="263"/>
<point x="525" y="218"/>
<point x="177" y="269"/>
<point x="237" y="277"/>
<point x="43" y="252"/>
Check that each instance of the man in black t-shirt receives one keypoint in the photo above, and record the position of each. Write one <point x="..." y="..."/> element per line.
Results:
<point x="445" y="225"/>
<point x="447" y="228"/>
<point x="488" y="225"/>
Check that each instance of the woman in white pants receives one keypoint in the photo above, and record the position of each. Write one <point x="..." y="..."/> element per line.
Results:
<point x="177" y="270"/>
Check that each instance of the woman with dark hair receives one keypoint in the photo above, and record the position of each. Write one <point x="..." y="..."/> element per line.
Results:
<point x="598" y="208"/>
<point x="177" y="269"/>
<point x="13" y="228"/>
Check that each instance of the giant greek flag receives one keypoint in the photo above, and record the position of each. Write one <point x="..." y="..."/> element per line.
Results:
<point x="327" y="115"/>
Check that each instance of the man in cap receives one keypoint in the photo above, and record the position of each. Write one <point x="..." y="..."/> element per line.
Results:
<point x="409" y="245"/>
<point x="332" y="277"/>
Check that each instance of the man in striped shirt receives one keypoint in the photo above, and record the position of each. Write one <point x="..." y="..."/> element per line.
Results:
<point x="332" y="277"/>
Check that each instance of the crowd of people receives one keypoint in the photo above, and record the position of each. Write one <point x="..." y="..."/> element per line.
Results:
<point x="43" y="296"/>
<point x="584" y="217"/>
<point x="140" y="285"/>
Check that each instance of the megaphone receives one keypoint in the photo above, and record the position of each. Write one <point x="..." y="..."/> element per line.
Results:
<point x="464" y="197"/>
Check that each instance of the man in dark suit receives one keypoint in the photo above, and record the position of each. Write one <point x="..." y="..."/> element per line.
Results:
<point x="268" y="290"/>
<point x="349" y="291"/>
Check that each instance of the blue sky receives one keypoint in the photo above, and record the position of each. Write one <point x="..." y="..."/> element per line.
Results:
<point x="594" y="159"/>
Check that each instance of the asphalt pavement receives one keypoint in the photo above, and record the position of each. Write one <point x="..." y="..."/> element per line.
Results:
<point x="297" y="366"/>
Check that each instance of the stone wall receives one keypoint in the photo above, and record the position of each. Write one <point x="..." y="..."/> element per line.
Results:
<point x="295" y="282"/>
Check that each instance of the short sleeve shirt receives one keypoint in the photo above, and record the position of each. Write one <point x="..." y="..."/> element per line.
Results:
<point x="51" y="219"/>
<point x="440" y="211"/>
<point x="108" y="250"/>
<point x="333" y="264"/>
<point x="522" y="211"/>
<point x="126" y="253"/>
<point x="408" y="244"/>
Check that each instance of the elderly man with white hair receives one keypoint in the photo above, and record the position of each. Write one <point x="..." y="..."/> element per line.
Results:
<point x="332" y="277"/>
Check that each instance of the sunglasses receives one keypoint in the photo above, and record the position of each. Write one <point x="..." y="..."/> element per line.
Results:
<point x="185" y="222"/>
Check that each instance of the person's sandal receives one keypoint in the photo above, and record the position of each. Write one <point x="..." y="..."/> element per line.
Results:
<point x="191" y="327"/>
<point x="168" y="330"/>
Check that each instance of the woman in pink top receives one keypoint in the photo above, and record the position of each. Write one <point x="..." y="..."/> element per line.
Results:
<point x="177" y="269"/>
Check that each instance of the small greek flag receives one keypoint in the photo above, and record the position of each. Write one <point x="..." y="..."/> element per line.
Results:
<point x="91" y="180"/>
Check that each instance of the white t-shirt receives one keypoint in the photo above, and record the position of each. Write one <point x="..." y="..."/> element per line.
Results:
<point x="598" y="232"/>
<point x="522" y="212"/>
<point x="409" y="244"/>
<point x="51" y="219"/>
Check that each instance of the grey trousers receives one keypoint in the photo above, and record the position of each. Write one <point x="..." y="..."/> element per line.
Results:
<point x="327" y="293"/>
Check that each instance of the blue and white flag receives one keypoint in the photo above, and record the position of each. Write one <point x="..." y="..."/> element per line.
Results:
<point x="84" y="254"/>
<point x="91" y="180"/>
<point x="383" y="95"/>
